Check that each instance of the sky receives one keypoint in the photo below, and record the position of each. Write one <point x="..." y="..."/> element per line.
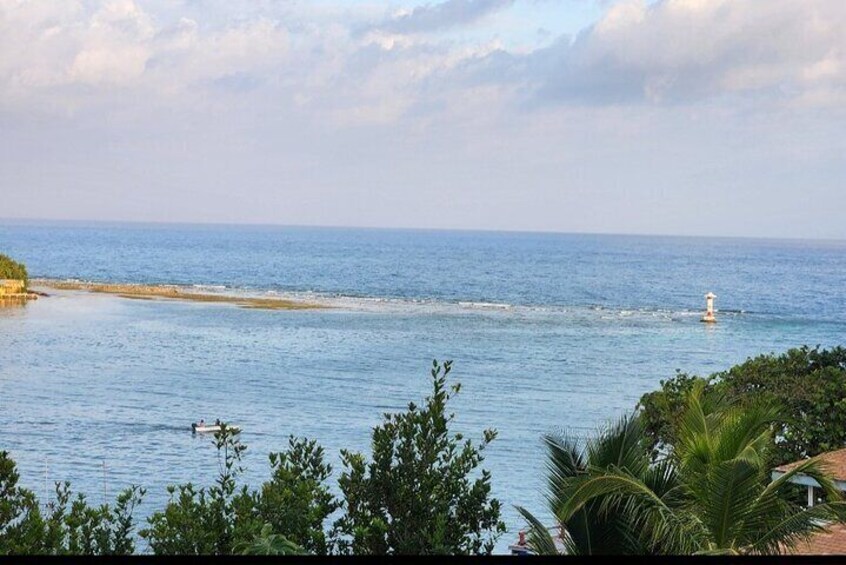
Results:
<point x="687" y="117"/>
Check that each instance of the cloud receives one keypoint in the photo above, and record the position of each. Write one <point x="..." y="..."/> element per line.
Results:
<point x="117" y="44"/>
<point x="329" y="113"/>
<point x="685" y="50"/>
<point x="320" y="63"/>
<point x="437" y="17"/>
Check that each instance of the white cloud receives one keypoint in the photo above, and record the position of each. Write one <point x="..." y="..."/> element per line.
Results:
<point x="668" y="52"/>
<point x="333" y="102"/>
<point x="443" y="15"/>
<point x="118" y="44"/>
<point x="683" y="50"/>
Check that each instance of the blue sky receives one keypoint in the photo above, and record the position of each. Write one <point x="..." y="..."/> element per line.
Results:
<point x="694" y="117"/>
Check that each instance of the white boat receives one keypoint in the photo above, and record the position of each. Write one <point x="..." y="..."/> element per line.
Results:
<point x="203" y="428"/>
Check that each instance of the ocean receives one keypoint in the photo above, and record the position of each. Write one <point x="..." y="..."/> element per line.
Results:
<point x="546" y="331"/>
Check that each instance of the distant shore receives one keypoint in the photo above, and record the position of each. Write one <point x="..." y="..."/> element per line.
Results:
<point x="148" y="292"/>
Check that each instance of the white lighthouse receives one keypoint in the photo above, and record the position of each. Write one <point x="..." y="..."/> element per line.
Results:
<point x="709" y="317"/>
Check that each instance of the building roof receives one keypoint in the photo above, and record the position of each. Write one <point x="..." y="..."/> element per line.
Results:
<point x="833" y="540"/>
<point x="833" y="462"/>
<point x="830" y="542"/>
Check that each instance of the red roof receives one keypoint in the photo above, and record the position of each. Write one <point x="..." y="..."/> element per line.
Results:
<point x="833" y="463"/>
<point x="831" y="542"/>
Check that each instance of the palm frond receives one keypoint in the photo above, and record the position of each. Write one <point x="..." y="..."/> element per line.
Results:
<point x="540" y="541"/>
<point x="725" y="499"/>
<point x="813" y="468"/>
<point x="797" y="527"/>
<point x="612" y="482"/>
<point x="746" y="433"/>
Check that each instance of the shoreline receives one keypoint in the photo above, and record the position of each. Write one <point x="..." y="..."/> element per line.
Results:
<point x="172" y="292"/>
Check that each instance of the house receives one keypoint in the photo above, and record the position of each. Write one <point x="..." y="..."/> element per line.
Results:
<point x="11" y="287"/>
<point x="832" y="541"/>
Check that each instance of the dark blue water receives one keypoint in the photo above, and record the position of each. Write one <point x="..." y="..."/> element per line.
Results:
<point x="547" y="331"/>
<point x="786" y="278"/>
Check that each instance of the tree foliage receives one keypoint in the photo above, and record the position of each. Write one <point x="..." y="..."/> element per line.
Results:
<point x="297" y="501"/>
<point x="709" y="492"/>
<point x="200" y="521"/>
<point x="67" y="526"/>
<point x="417" y="494"/>
<point x="11" y="269"/>
<point x="287" y="513"/>
<point x="807" y="384"/>
<point x="268" y="543"/>
<point x="422" y="493"/>
<point x="594" y="529"/>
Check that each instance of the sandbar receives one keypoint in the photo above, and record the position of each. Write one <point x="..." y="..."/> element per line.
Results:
<point x="172" y="292"/>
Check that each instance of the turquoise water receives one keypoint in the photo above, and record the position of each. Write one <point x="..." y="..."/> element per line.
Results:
<point x="546" y="331"/>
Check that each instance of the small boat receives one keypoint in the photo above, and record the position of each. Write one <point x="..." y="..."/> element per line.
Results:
<point x="203" y="428"/>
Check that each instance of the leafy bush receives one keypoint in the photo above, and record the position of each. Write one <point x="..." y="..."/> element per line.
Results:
<point x="808" y="385"/>
<point x="296" y="501"/>
<point x="11" y="269"/>
<point x="70" y="527"/>
<point x="416" y="496"/>
<point x="423" y="493"/>
<point x="268" y="543"/>
<point x="207" y="521"/>
<point x="286" y="514"/>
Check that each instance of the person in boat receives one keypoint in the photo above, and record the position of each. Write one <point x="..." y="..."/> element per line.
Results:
<point x="202" y="423"/>
<point x="217" y="422"/>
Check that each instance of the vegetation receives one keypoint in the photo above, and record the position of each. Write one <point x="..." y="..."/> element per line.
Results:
<point x="11" y="269"/>
<point x="807" y="384"/>
<point x="416" y="495"/>
<point x="67" y="526"/>
<point x="207" y="522"/>
<point x="268" y="543"/>
<point x="228" y="518"/>
<point x="688" y="473"/>
<point x="297" y="500"/>
<point x="708" y="493"/>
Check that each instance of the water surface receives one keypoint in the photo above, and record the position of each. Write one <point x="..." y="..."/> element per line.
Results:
<point x="545" y="331"/>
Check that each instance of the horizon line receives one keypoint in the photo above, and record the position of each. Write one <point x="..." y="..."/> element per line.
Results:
<point x="412" y="228"/>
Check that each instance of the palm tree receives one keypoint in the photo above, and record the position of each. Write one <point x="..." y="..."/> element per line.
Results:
<point x="709" y="494"/>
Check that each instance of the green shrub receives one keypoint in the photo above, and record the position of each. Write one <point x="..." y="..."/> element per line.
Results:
<point x="296" y="501"/>
<point x="808" y="385"/>
<point x="68" y="526"/>
<point x="207" y="521"/>
<point x="423" y="493"/>
<point x="11" y="269"/>
<point x="287" y="513"/>
<point x="417" y="494"/>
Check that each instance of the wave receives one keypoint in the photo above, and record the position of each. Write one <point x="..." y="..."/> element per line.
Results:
<point x="496" y="305"/>
<point x="209" y="286"/>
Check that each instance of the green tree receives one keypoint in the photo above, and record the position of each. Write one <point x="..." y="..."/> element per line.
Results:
<point x="594" y="529"/>
<point x="288" y="511"/>
<point x="200" y="521"/>
<point x="417" y="494"/>
<point x="11" y="269"/>
<point x="297" y="500"/>
<point x="21" y="523"/>
<point x="69" y="527"/>
<point x="75" y="528"/>
<point x="708" y="493"/>
<point x="808" y="384"/>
